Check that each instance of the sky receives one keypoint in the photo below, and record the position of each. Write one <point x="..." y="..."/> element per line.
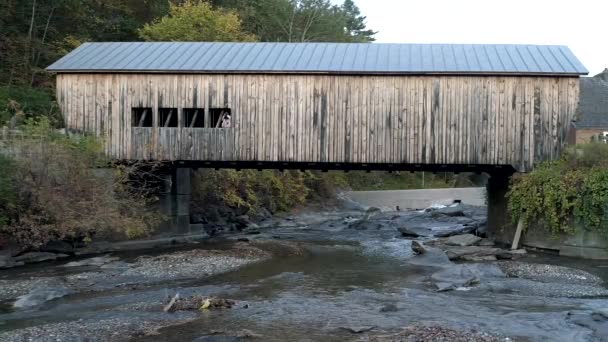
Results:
<point x="582" y="25"/>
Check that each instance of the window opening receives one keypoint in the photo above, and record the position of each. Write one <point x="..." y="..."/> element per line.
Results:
<point x="220" y="117"/>
<point x="194" y="117"/>
<point x="141" y="117"/>
<point x="167" y="117"/>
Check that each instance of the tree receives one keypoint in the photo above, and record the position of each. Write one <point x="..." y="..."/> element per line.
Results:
<point x="355" y="23"/>
<point x="196" y="21"/>
<point x="301" y="20"/>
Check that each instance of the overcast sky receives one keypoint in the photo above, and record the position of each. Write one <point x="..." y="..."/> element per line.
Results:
<point x="580" y="24"/>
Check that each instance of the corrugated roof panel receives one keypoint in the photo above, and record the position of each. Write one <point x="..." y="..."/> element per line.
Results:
<point x="516" y="58"/>
<point x="360" y="58"/>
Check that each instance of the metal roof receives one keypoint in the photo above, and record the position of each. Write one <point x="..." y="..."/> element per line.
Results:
<point x="331" y="58"/>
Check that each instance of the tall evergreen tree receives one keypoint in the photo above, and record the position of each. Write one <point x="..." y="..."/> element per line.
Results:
<point x="356" y="26"/>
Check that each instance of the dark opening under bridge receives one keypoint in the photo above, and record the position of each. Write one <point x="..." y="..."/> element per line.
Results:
<point x="323" y="105"/>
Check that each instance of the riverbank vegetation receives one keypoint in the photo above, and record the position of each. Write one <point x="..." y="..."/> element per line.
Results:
<point x="51" y="188"/>
<point x="564" y="194"/>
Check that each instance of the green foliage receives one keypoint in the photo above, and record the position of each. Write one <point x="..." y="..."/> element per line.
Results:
<point x="301" y="20"/>
<point x="196" y="21"/>
<point x="8" y="193"/>
<point x="571" y="190"/>
<point x="25" y="102"/>
<point x="251" y="190"/>
<point x="35" y="33"/>
<point x="377" y="180"/>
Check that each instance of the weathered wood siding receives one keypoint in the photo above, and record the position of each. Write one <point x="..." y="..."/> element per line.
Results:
<point x="337" y="119"/>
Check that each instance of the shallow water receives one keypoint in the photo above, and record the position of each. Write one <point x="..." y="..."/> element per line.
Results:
<point x="346" y="279"/>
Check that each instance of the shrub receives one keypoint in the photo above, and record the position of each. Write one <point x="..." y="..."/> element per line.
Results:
<point x="25" y="102"/>
<point x="60" y="193"/>
<point x="571" y="190"/>
<point x="252" y="190"/>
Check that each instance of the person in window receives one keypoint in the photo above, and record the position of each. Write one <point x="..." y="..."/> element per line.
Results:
<point x="226" y="123"/>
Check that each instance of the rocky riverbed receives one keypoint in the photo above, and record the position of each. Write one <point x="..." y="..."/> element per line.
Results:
<point x="315" y="275"/>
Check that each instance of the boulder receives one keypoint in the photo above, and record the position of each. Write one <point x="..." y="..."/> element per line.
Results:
<point x="457" y="229"/>
<point x="432" y="257"/>
<point x="479" y="258"/>
<point x="465" y="275"/>
<point x="414" y="231"/>
<point x="253" y="226"/>
<point x="58" y="247"/>
<point x="373" y="210"/>
<point x="218" y="338"/>
<point x="358" y="330"/>
<point x="389" y="308"/>
<point x="242" y="220"/>
<point x="463" y="240"/>
<point x="458" y="253"/>
<point x="198" y="219"/>
<point x="456" y="210"/>
<point x="33" y="257"/>
<point x="486" y="243"/>
<point x="96" y="261"/>
<point x="40" y="296"/>
<point x="417" y="247"/>
<point x="7" y="262"/>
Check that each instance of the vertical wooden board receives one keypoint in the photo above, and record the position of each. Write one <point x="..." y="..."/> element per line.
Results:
<point x="555" y="122"/>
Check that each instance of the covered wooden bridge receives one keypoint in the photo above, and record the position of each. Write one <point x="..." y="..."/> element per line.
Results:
<point x="323" y="105"/>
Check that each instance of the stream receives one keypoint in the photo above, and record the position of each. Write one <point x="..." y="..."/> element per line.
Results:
<point x="354" y="282"/>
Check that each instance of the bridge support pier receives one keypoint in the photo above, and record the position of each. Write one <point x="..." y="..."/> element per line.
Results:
<point x="175" y="204"/>
<point x="499" y="223"/>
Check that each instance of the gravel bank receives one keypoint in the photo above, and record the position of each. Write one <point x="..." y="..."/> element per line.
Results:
<point x="114" y="329"/>
<point x="417" y="333"/>
<point x="548" y="273"/>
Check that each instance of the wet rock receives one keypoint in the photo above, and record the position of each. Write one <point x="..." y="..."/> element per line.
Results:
<point x="462" y="276"/>
<point x="242" y="220"/>
<point x="457" y="229"/>
<point x="445" y="286"/>
<point x="252" y="226"/>
<point x="40" y="296"/>
<point x="245" y="333"/>
<point x="486" y="243"/>
<point x="8" y="262"/>
<point x="116" y="265"/>
<point x="58" y="247"/>
<point x="461" y="253"/>
<point x="373" y="210"/>
<point x="452" y="211"/>
<point x="33" y="257"/>
<point x="213" y="338"/>
<point x="432" y="257"/>
<point x="414" y="231"/>
<point x="595" y="322"/>
<point x="198" y="219"/>
<point x="389" y="308"/>
<point x="95" y="248"/>
<point x="479" y="258"/>
<point x="197" y="303"/>
<point x="417" y="247"/>
<point x="96" y="261"/>
<point x="364" y="224"/>
<point x="463" y="240"/>
<point x="358" y="329"/>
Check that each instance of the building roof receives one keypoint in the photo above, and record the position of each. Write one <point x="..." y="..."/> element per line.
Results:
<point x="593" y="107"/>
<point x="320" y="58"/>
